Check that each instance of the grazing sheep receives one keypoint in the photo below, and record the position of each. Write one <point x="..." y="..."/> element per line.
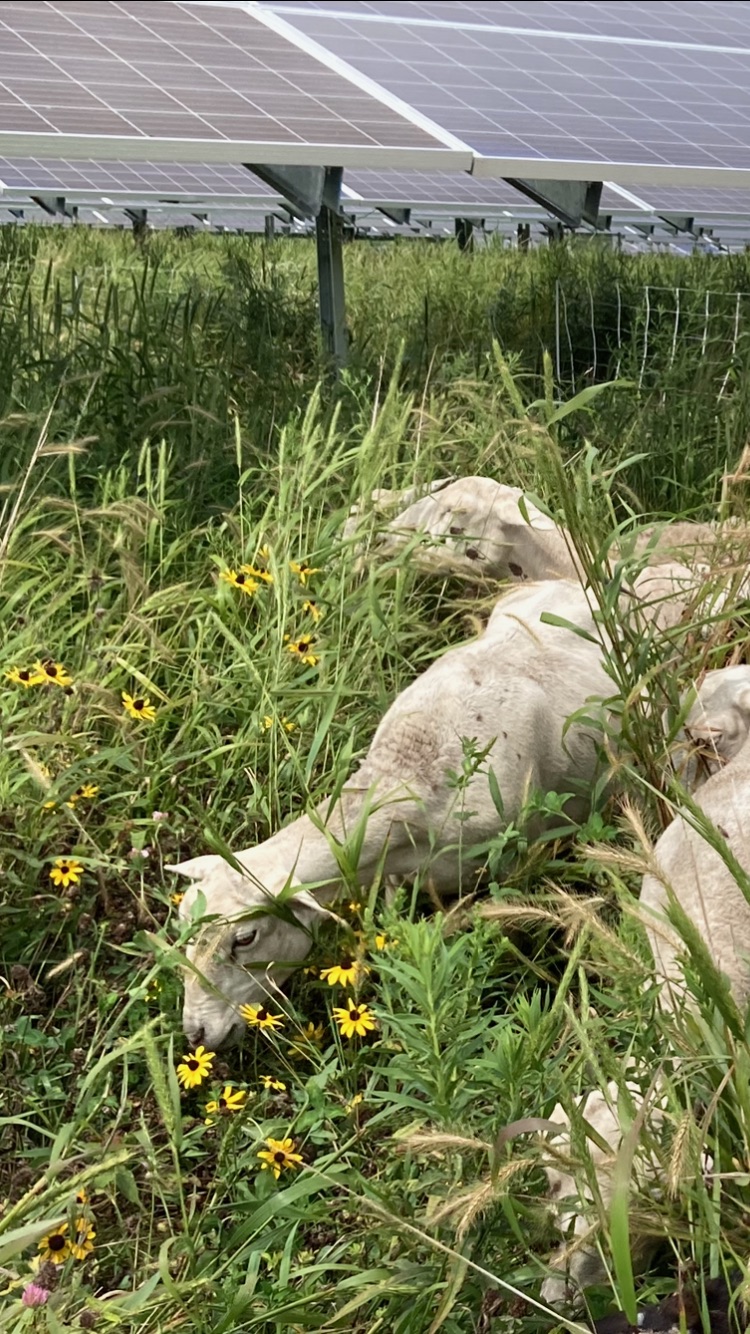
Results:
<point x="703" y="885"/>
<point x="511" y="691"/>
<point x="580" y="1264"/>
<point x="708" y="893"/>
<point x="478" y="529"/>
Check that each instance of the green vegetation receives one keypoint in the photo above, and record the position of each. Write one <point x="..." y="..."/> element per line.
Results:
<point x="160" y="426"/>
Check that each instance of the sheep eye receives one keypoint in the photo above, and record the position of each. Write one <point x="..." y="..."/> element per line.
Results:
<point x="245" y="940"/>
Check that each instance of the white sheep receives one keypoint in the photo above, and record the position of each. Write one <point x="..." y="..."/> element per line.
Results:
<point x="511" y="691"/>
<point x="578" y="1262"/>
<point x="703" y="885"/>
<point x="477" y="528"/>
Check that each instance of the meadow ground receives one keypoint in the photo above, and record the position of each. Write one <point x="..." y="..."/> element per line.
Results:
<point x="162" y="427"/>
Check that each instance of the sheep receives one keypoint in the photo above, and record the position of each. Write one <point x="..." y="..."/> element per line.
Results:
<point x="579" y="1265"/>
<point x="511" y="691"/>
<point x="704" y="886"/>
<point x="479" y="528"/>
<point x="707" y="891"/>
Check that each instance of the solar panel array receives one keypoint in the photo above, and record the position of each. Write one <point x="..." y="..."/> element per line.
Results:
<point x="100" y="100"/>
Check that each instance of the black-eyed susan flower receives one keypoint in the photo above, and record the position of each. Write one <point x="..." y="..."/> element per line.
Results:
<point x="301" y="648"/>
<point x="53" y="673"/>
<point x="195" y="1067"/>
<point x="177" y="897"/>
<point x="55" y="1246"/>
<point x="278" y="1155"/>
<point x="82" y="1196"/>
<point x="263" y="575"/>
<point x="303" y="571"/>
<point x="383" y="943"/>
<point x="239" y="579"/>
<point x="65" y="871"/>
<point x="286" y="723"/>
<point x="82" y="1239"/>
<point x="345" y="974"/>
<point x="25" y="676"/>
<point x="257" y="1016"/>
<point x="138" y="707"/>
<point x="228" y="1101"/>
<point x="355" y="1020"/>
<point x="269" y="1082"/>
<point x="307" y="1040"/>
<point x="86" y="792"/>
<point x="312" y="609"/>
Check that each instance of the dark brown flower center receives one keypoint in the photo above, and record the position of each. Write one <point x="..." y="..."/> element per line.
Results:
<point x="56" y="1242"/>
<point x="355" y="1016"/>
<point x="25" y="674"/>
<point x="279" y="1157"/>
<point x="193" y="1064"/>
<point x="50" y="669"/>
<point x="346" y="964"/>
<point x="262" y="1013"/>
<point x="138" y="704"/>
<point x="65" y="868"/>
<point x="222" y="1104"/>
<point x="241" y="578"/>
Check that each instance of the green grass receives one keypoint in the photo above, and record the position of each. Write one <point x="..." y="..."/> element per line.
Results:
<point x="161" y="422"/>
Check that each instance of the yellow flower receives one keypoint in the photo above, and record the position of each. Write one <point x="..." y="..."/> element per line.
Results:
<point x="357" y="1020"/>
<point x="82" y="1196"/>
<point x="269" y="1082"/>
<point x="278" y="1155"/>
<point x="257" y="574"/>
<point x="82" y="1242"/>
<point x="303" y="571"/>
<point x="55" y="1246"/>
<point x="285" y="722"/>
<point x="345" y="974"/>
<point x="311" y="1036"/>
<point x="177" y="897"/>
<point x="25" y="676"/>
<point x="195" y="1067"/>
<point x="354" y="1104"/>
<point x="66" y="871"/>
<point x="242" y="581"/>
<point x="302" y="648"/>
<point x="383" y="943"/>
<point x="257" y="1016"/>
<point x="86" y="792"/>
<point x="53" y="673"/>
<point x="312" y="607"/>
<point x="230" y="1100"/>
<point x="138" y="707"/>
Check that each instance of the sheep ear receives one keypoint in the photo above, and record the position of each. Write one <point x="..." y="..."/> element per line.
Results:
<point x="302" y="898"/>
<point x="197" y="868"/>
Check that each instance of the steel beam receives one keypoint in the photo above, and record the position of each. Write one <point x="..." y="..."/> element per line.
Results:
<point x="573" y="202"/>
<point x="329" y="237"/>
<point x="308" y="189"/>
<point x="464" y="233"/>
<point x="54" y="204"/>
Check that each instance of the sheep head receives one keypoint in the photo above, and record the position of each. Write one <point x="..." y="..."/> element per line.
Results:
<point x="719" y="721"/>
<point x="245" y="949"/>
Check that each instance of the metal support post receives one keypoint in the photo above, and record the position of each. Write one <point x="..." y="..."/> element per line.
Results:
<point x="269" y="226"/>
<point x="523" y="234"/>
<point x="328" y="233"/>
<point x="464" y="233"/>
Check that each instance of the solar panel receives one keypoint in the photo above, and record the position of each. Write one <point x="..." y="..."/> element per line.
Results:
<point x="452" y="190"/>
<point x="196" y="82"/>
<point x="550" y="105"/>
<point x="690" y="21"/>
<point x="133" y="181"/>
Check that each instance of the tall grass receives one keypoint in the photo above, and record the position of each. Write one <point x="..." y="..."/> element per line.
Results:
<point x="161" y="425"/>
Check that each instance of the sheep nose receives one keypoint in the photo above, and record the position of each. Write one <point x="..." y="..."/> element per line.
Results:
<point x="195" y="1036"/>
